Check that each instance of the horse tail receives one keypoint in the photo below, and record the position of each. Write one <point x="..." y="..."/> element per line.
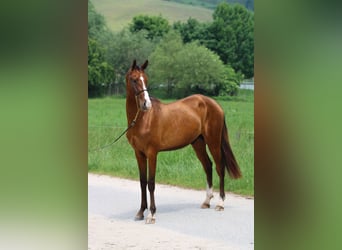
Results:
<point x="228" y="158"/>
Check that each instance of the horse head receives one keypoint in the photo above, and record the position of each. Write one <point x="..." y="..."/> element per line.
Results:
<point x="137" y="81"/>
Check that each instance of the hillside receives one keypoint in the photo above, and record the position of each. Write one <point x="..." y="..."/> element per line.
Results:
<point x="119" y="13"/>
<point x="211" y="4"/>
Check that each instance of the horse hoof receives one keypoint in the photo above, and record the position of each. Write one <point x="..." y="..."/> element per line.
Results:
<point x="139" y="217"/>
<point x="205" y="205"/>
<point x="136" y="218"/>
<point x="219" y="208"/>
<point x="150" y="219"/>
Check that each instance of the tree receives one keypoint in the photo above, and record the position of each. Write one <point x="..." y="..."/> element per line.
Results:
<point x="124" y="48"/>
<point x="192" y="30"/>
<point x="232" y="37"/>
<point x="189" y="68"/>
<point x="99" y="71"/>
<point x="162" y="64"/>
<point x="96" y="22"/>
<point x="201" y="71"/>
<point x="231" y="82"/>
<point x="156" y="26"/>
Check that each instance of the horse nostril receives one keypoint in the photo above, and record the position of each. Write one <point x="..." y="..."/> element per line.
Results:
<point x="146" y="105"/>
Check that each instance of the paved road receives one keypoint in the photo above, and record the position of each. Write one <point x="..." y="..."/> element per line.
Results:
<point x="180" y="223"/>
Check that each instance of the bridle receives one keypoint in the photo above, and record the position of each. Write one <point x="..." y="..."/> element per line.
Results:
<point x="137" y="93"/>
<point x="140" y="91"/>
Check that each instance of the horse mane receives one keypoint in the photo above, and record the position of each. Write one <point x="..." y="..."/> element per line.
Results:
<point x="156" y="100"/>
<point x="155" y="103"/>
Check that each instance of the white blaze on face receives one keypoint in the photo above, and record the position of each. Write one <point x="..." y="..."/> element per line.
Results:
<point x="146" y="96"/>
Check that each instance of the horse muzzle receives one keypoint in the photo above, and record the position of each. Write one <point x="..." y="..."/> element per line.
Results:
<point x="147" y="105"/>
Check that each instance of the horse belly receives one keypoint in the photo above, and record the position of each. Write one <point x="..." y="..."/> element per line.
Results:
<point x="179" y="136"/>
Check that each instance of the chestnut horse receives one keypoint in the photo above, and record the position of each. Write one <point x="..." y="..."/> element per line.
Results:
<point x="197" y="120"/>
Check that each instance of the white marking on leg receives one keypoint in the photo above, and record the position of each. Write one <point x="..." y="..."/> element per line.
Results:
<point x="220" y="205"/>
<point x="209" y="196"/>
<point x="146" y="95"/>
<point x="151" y="219"/>
<point x="220" y="202"/>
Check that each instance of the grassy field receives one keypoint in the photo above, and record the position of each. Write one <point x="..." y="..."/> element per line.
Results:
<point x="107" y="119"/>
<point x="119" y="13"/>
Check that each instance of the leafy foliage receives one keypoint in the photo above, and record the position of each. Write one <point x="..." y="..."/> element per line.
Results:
<point x="100" y="72"/>
<point x="96" y="22"/>
<point x="232" y="37"/>
<point x="190" y="68"/>
<point x="156" y="26"/>
<point x="163" y="62"/>
<point x="192" y="30"/>
<point x="125" y="47"/>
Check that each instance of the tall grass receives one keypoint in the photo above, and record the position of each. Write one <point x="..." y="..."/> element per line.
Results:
<point x="107" y="119"/>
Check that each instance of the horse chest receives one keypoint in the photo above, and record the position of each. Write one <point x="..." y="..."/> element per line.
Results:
<point x="139" y="141"/>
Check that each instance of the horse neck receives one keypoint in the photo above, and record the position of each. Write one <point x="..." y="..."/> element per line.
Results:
<point x="131" y="105"/>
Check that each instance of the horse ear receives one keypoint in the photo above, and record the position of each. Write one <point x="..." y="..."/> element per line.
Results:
<point x="134" y="64"/>
<point x="144" y="66"/>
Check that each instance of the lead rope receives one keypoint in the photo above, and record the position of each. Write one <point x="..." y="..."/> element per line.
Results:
<point x="130" y="126"/>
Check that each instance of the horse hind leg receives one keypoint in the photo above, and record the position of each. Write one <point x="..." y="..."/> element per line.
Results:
<point x="200" y="149"/>
<point x="215" y="150"/>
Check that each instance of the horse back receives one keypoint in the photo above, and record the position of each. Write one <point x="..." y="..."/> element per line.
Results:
<point x="205" y="104"/>
<point x="186" y="119"/>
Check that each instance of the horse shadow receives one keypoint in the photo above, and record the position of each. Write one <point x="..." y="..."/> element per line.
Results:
<point x="161" y="209"/>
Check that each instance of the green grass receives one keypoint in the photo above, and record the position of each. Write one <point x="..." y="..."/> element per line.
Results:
<point x="119" y="13"/>
<point x="107" y="119"/>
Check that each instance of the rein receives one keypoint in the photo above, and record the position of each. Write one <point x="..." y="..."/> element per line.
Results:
<point x="124" y="132"/>
<point x="131" y="125"/>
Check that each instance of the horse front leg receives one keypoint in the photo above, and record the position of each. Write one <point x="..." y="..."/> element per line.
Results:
<point x="152" y="164"/>
<point x="142" y="164"/>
